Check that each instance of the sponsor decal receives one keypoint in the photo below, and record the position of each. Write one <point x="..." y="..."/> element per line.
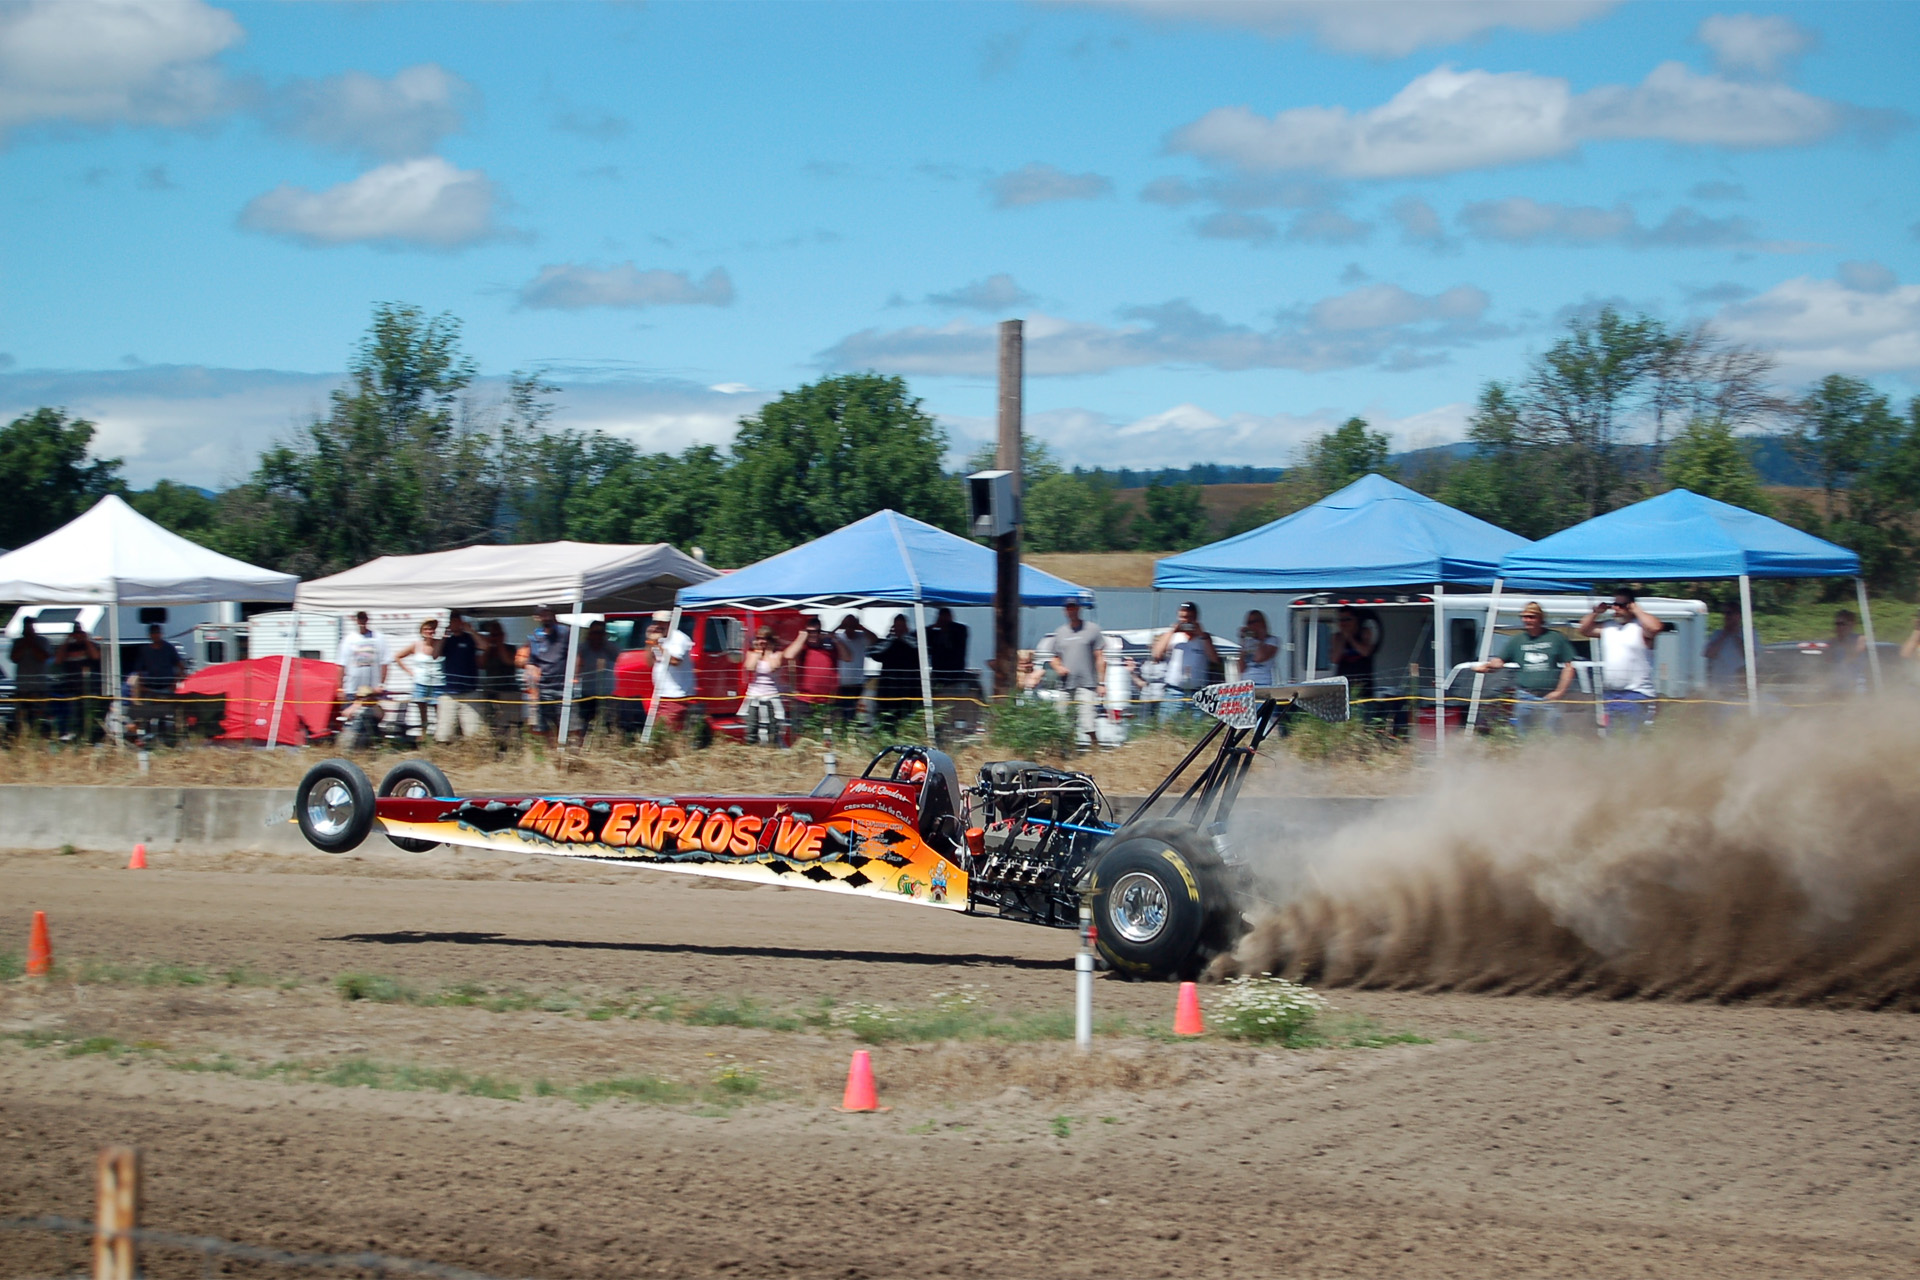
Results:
<point x="648" y="826"/>
<point x="1233" y="703"/>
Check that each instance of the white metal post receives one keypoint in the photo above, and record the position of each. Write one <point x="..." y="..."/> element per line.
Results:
<point x="653" y="699"/>
<point x="1486" y="652"/>
<point x="926" y="670"/>
<point x="115" y="717"/>
<point x="1866" y="625"/>
<point x="1440" y="668"/>
<point x="573" y="667"/>
<point x="1083" y="983"/>
<point x="280" y="700"/>
<point x="1746" y="642"/>
<point x="1313" y="642"/>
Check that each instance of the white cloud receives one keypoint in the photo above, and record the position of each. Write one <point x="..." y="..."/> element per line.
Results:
<point x="1381" y="28"/>
<point x="1450" y="121"/>
<point x="1816" y="327"/>
<point x="1043" y="183"/>
<point x="571" y="286"/>
<point x="998" y="292"/>
<point x="423" y="203"/>
<point x="105" y="62"/>
<point x="385" y="119"/>
<point x="1327" y="226"/>
<point x="1749" y="42"/>
<point x="206" y="426"/>
<point x="1519" y="220"/>
<point x="1867" y="277"/>
<point x="1377" y="325"/>
<point x="1226" y="225"/>
<point x="1420" y="224"/>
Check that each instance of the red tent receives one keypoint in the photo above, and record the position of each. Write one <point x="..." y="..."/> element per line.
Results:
<point x="249" y="687"/>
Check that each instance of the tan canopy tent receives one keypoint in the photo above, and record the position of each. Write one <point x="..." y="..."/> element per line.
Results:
<point x="588" y="576"/>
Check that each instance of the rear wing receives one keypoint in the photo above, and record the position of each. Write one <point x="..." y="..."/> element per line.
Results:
<point x="1238" y="704"/>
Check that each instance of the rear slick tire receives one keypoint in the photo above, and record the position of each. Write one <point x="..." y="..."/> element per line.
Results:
<point x="334" y="806"/>
<point x="415" y="778"/>
<point x="1154" y="896"/>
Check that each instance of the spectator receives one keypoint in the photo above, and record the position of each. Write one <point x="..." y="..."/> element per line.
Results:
<point x="1910" y="647"/>
<point x="499" y="676"/>
<point x="1189" y="653"/>
<point x="30" y="655"/>
<point x="1027" y="673"/>
<point x="1258" y="649"/>
<point x="593" y="687"/>
<point x="360" y="719"/>
<point x="814" y="657"/>
<point x="421" y="657"/>
<point x="1846" y="654"/>
<point x="854" y="642"/>
<point x="460" y="666"/>
<point x="157" y="668"/>
<point x="1626" y="659"/>
<point x="1545" y="659"/>
<point x="78" y="662"/>
<point x="546" y="651"/>
<point x="1079" y="658"/>
<point x="1727" y="656"/>
<point x="762" y="708"/>
<point x="899" y="658"/>
<point x="1350" y="652"/>
<point x="672" y="669"/>
<point x="364" y="656"/>
<point x="947" y="649"/>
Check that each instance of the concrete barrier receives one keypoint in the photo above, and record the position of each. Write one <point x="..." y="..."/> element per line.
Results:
<point x="255" y="819"/>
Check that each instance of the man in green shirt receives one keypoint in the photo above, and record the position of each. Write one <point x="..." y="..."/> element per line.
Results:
<point x="1545" y="661"/>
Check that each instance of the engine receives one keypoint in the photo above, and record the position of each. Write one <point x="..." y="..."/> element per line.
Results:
<point x="1032" y="833"/>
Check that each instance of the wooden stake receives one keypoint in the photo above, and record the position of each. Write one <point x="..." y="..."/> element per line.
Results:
<point x="114" y="1254"/>
<point x="1006" y="548"/>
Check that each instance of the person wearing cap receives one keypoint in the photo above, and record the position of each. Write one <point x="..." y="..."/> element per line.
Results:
<point x="672" y="669"/>
<point x="546" y="651"/>
<point x="1626" y="633"/>
<point x="1544" y="661"/>
<point x="1188" y="651"/>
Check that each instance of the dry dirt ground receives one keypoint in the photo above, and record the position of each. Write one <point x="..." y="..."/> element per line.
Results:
<point x="1526" y="1137"/>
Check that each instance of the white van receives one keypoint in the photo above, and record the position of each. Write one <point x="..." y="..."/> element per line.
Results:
<point x="177" y="622"/>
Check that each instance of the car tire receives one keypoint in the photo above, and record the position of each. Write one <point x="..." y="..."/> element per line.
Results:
<point x="1157" y="901"/>
<point x="334" y="806"/>
<point x="415" y="778"/>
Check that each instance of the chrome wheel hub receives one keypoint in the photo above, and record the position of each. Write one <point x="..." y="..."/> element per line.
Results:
<point x="330" y="807"/>
<point x="1138" y="907"/>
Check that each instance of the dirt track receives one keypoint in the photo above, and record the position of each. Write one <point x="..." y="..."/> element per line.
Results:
<point x="1532" y="1137"/>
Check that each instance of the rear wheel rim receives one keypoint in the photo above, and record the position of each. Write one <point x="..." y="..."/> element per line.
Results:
<point x="330" y="808"/>
<point x="413" y="789"/>
<point x="1138" y="906"/>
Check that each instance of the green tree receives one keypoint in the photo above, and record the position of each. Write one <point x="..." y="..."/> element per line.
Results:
<point x="396" y="467"/>
<point x="1036" y="461"/>
<point x="652" y="497"/>
<point x="48" y="475"/>
<point x="1067" y="511"/>
<point x="1511" y="479"/>
<point x="1345" y="454"/>
<point x="1868" y="459"/>
<point x="827" y="454"/>
<point x="1709" y="459"/>
<point x="1174" y="519"/>
<point x="180" y="507"/>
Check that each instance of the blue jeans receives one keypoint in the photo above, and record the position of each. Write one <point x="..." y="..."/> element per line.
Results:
<point x="1175" y="704"/>
<point x="1627" y="711"/>
<point x="1533" y="711"/>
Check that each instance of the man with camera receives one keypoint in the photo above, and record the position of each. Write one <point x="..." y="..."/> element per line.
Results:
<point x="1189" y="654"/>
<point x="1627" y="633"/>
<point x="1545" y="661"/>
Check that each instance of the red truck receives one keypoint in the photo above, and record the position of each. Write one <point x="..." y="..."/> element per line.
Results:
<point x="718" y="684"/>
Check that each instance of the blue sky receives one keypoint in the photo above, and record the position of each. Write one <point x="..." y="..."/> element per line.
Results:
<point x="1228" y="223"/>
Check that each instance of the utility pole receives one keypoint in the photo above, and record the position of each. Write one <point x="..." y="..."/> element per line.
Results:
<point x="1006" y="548"/>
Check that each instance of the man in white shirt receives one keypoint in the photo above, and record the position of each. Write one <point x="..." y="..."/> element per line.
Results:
<point x="672" y="668"/>
<point x="1188" y="651"/>
<point x="1626" y="641"/>
<point x="852" y="641"/>
<point x="364" y="657"/>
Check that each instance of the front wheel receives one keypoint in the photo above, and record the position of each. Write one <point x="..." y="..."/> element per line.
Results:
<point x="1153" y="896"/>
<point x="334" y="806"/>
<point x="413" y="779"/>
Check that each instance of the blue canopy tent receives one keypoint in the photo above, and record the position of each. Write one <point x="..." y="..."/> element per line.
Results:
<point x="1373" y="533"/>
<point x="887" y="558"/>
<point x="1681" y="535"/>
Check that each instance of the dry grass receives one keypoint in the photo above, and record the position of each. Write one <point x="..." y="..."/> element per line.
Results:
<point x="610" y="766"/>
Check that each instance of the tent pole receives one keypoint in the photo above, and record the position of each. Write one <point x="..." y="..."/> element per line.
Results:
<point x="280" y="701"/>
<point x="573" y="668"/>
<point x="1486" y="652"/>
<point x="1866" y="624"/>
<point x="653" y="699"/>
<point x="114" y="714"/>
<point x="1746" y="641"/>
<point x="926" y="669"/>
<point x="1313" y="642"/>
<point x="1440" y="669"/>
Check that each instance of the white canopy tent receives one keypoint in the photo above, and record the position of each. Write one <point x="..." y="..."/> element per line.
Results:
<point x="113" y="555"/>
<point x="591" y="576"/>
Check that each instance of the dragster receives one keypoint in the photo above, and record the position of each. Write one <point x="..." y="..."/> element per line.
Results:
<point x="1026" y="842"/>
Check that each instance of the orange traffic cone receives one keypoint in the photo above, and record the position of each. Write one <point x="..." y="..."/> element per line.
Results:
<point x="1186" y="1013"/>
<point x="39" y="947"/>
<point x="860" y="1094"/>
<point x="139" y="860"/>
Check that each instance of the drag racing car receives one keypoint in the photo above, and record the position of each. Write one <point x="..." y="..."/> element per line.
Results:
<point x="1025" y="842"/>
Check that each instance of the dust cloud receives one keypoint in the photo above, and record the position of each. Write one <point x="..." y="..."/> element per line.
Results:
<point x="1777" y="863"/>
